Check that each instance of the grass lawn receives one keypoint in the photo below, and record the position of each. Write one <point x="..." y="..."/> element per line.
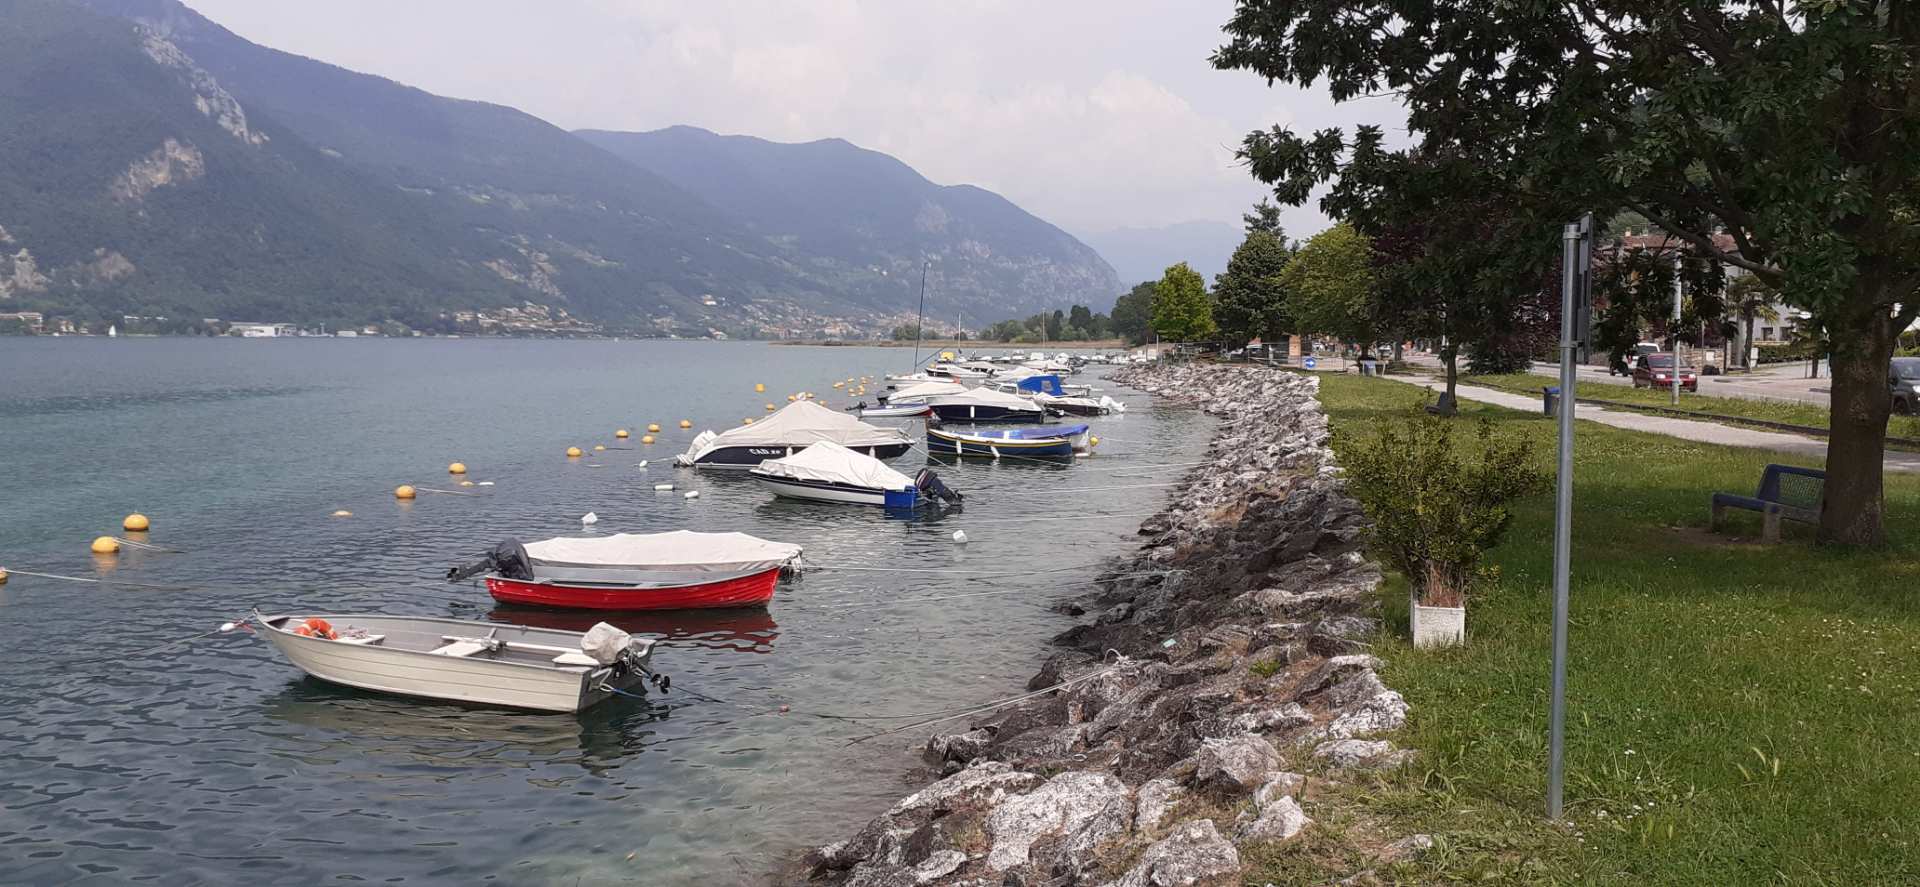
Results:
<point x="1737" y="713"/>
<point x="1808" y="414"/>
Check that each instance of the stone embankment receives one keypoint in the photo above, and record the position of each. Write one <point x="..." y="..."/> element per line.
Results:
<point x="1221" y="681"/>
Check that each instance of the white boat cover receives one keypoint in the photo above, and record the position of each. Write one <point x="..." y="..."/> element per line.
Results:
<point x="925" y="390"/>
<point x="1015" y="374"/>
<point x="798" y="424"/>
<point x="985" y="397"/>
<point x="682" y="550"/>
<point x="833" y="463"/>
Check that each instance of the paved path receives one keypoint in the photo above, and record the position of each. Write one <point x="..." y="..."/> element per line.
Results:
<point x="1686" y="429"/>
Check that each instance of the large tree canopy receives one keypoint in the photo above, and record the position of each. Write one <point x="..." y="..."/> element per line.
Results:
<point x="1132" y="313"/>
<point x="1330" y="285"/>
<point x="1181" y="309"/>
<point x="1790" y="127"/>
<point x="1249" y="300"/>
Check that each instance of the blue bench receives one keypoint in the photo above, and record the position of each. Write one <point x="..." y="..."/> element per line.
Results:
<point x="1786" y="491"/>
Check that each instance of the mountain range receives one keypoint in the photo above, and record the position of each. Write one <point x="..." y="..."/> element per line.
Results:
<point x="155" y="163"/>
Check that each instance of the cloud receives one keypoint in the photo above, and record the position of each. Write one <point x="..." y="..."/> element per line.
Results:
<point x="1092" y="115"/>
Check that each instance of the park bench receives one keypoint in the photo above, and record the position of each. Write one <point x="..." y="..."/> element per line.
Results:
<point x="1785" y="492"/>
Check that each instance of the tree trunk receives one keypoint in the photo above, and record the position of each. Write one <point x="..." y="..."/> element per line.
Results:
<point x="1855" y="506"/>
<point x="1746" y="345"/>
<point x="1450" y="354"/>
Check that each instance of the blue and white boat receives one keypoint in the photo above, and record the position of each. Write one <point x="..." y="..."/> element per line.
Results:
<point x="828" y="472"/>
<point x="1058" y="441"/>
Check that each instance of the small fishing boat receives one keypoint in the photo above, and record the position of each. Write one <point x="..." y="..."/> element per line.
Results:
<point x="885" y="410"/>
<point x="634" y="571"/>
<point x="1060" y="441"/>
<point x="828" y="472"/>
<point x="452" y="660"/>
<point x="986" y="405"/>
<point x="954" y="371"/>
<point x="795" y="427"/>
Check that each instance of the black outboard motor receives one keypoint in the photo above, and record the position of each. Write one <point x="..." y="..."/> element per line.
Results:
<point x="930" y="484"/>
<point x="509" y="559"/>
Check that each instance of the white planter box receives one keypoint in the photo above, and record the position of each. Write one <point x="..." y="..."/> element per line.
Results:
<point x="1439" y="626"/>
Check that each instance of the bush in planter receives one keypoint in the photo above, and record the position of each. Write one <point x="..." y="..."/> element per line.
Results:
<point x="1436" y="510"/>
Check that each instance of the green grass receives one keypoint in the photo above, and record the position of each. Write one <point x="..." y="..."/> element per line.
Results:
<point x="1808" y="414"/>
<point x="1737" y="713"/>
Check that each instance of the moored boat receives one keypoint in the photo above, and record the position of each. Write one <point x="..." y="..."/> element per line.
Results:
<point x="635" y="571"/>
<point x="1061" y="441"/>
<point x="827" y="472"/>
<point x="795" y="427"/>
<point x="453" y="660"/>
<point x="986" y="405"/>
<point x="889" y="411"/>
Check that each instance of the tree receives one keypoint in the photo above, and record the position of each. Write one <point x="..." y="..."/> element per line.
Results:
<point x="1081" y="319"/>
<point x="1181" y="310"/>
<point x="1054" y="325"/>
<point x="1250" y="302"/>
<point x="1330" y="287"/>
<point x="906" y="332"/>
<point x="1750" y="298"/>
<point x="1265" y="217"/>
<point x="1787" y="126"/>
<point x="1132" y="312"/>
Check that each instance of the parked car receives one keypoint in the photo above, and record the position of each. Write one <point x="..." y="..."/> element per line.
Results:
<point x="1625" y="367"/>
<point x="1903" y="382"/>
<point x="1656" y="371"/>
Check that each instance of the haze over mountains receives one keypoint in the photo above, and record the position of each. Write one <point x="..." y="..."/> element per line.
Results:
<point x="155" y="163"/>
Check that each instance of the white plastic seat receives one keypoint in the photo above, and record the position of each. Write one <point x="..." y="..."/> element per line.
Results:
<point x="459" y="649"/>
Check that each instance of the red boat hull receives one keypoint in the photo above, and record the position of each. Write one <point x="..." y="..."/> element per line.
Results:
<point x="745" y="591"/>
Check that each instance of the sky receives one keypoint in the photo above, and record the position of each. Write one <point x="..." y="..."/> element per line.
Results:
<point x="1092" y="115"/>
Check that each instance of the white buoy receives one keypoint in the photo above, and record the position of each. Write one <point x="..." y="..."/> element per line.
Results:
<point x="693" y="494"/>
<point x="226" y="627"/>
<point x="486" y="483"/>
<point x="960" y="536"/>
<point x="661" y="488"/>
<point x="589" y="518"/>
<point x="643" y="464"/>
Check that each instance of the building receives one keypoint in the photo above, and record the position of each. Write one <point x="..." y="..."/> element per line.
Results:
<point x="262" y="330"/>
<point x="34" y="321"/>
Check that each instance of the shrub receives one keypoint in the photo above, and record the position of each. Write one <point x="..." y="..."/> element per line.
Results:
<point x="1434" y="513"/>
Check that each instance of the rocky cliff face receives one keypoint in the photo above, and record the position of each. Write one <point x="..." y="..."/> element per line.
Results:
<point x="1221" y="682"/>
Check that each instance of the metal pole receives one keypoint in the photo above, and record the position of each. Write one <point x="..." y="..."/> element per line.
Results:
<point x="1563" y="521"/>
<point x="1674" y="335"/>
<point x="920" y="326"/>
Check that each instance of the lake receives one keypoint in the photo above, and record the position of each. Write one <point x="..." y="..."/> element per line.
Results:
<point x="217" y="762"/>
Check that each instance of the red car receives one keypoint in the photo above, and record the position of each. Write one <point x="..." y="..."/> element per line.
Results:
<point x="1656" y="371"/>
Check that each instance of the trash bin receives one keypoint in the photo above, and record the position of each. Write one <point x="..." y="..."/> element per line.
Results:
<point x="1550" y="395"/>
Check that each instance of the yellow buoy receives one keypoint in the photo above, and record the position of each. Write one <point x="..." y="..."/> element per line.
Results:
<point x="653" y="427"/>
<point x="3" y="577"/>
<point x="1093" y="440"/>
<point x="466" y="483"/>
<point x="759" y="386"/>
<point x="621" y="434"/>
<point x="135" y="523"/>
<point x="343" y="513"/>
<point x="746" y="421"/>
<point x="839" y="384"/>
<point x="791" y="398"/>
<point x="686" y="423"/>
<point x="457" y="468"/>
<point x="106" y="545"/>
<point x="646" y="438"/>
<point x="769" y="408"/>
<point x="599" y="448"/>
<point x="403" y="491"/>
<point x="573" y="452"/>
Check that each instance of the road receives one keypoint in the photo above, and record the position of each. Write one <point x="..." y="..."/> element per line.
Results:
<point x="1775" y="382"/>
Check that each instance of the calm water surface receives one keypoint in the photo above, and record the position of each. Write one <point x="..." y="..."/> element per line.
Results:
<point x="217" y="762"/>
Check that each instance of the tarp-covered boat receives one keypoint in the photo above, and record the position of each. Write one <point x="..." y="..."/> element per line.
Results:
<point x="1076" y="405"/>
<point x="924" y="391"/>
<point x="635" y="571"/>
<point x="513" y="666"/>
<point x="828" y="472"/>
<point x="986" y="405"/>
<point x="1049" y="442"/>
<point x="795" y="427"/>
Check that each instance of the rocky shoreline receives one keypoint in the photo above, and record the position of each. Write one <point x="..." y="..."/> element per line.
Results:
<point x="1220" y="683"/>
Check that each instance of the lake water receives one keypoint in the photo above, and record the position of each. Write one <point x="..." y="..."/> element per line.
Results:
<point x="217" y="762"/>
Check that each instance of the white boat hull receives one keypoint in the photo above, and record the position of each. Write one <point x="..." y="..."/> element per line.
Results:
<point x="476" y="681"/>
<point x="788" y="489"/>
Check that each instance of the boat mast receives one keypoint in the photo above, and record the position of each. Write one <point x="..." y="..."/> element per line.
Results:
<point x="919" y="326"/>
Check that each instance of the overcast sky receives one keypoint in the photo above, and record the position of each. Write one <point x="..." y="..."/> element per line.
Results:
<point x="1093" y="115"/>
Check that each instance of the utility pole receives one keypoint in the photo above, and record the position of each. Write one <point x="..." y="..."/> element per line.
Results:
<point x="1576" y="263"/>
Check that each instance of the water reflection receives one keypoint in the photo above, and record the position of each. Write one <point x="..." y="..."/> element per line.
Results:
<point x="745" y="630"/>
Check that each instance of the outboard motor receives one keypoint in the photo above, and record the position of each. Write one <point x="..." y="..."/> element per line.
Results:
<point x="930" y="484"/>
<point x="509" y="559"/>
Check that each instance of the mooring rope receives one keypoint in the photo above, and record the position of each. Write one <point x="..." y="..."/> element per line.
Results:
<point x="19" y="572"/>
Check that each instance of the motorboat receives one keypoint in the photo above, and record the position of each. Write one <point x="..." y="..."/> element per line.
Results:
<point x="954" y="371"/>
<point x="922" y="392"/>
<point x="1059" y="441"/>
<point x="886" y="410"/>
<point x="634" y="571"/>
<point x="828" y="472"/>
<point x="453" y="660"/>
<point x="986" y="405"/>
<point x="1075" y="405"/>
<point x="795" y="427"/>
